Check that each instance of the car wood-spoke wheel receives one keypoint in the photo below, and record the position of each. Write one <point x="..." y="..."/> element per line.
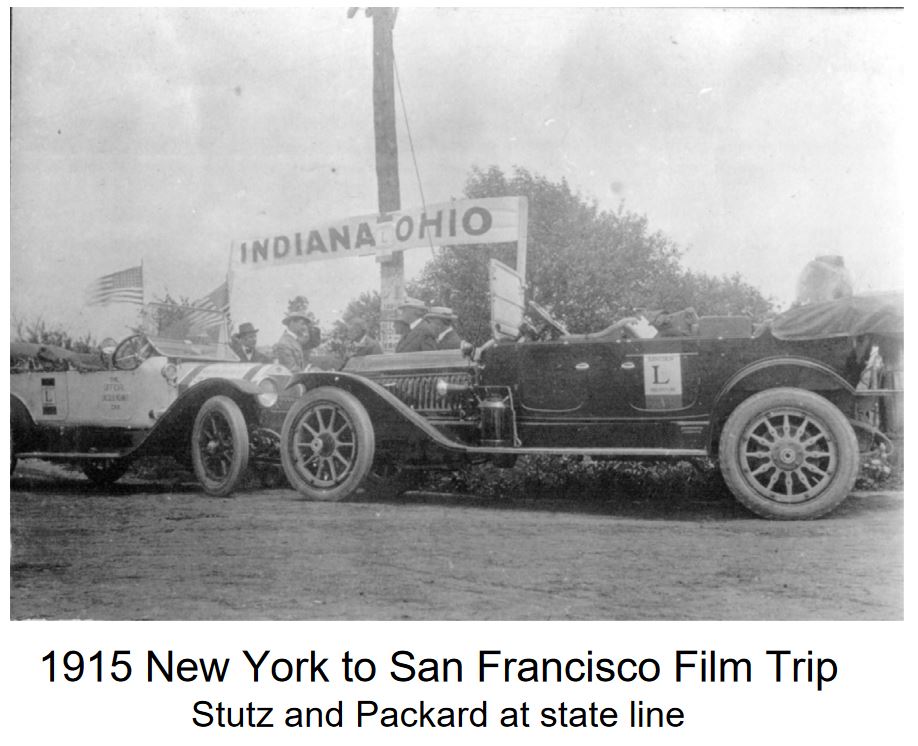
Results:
<point x="788" y="456"/>
<point x="789" y="453"/>
<point x="327" y="444"/>
<point x="219" y="445"/>
<point x="104" y="471"/>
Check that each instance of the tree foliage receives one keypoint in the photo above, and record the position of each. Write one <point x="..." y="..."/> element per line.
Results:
<point x="39" y="331"/>
<point x="590" y="267"/>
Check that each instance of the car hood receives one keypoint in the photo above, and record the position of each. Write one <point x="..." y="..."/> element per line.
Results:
<point x="408" y="362"/>
<point x="191" y="373"/>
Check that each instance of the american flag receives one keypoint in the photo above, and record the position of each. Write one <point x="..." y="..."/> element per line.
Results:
<point x="204" y="312"/>
<point x="119" y="287"/>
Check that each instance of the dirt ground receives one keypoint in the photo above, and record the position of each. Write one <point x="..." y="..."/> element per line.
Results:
<point x="155" y="551"/>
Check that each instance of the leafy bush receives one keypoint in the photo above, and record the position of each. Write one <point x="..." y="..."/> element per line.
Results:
<point x="535" y="476"/>
<point x="553" y="476"/>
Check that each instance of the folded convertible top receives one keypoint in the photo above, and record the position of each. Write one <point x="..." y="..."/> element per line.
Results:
<point x="876" y="314"/>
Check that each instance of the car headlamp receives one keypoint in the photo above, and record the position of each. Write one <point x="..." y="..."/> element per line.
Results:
<point x="170" y="373"/>
<point x="268" y="395"/>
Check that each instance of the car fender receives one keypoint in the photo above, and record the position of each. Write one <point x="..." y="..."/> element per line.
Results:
<point x="768" y="373"/>
<point x="173" y="426"/>
<point x="400" y="421"/>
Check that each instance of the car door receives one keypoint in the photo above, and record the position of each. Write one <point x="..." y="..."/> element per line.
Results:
<point x="553" y="378"/>
<point x="125" y="398"/>
<point x="666" y="376"/>
<point x="643" y="392"/>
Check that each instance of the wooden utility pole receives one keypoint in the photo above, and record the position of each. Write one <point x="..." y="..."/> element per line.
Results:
<point x="384" y="109"/>
<point x="392" y="264"/>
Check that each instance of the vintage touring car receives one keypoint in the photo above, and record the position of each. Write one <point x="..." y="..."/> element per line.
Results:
<point x="786" y="410"/>
<point x="181" y="393"/>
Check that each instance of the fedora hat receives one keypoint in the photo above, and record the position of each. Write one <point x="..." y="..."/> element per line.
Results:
<point x="441" y="312"/>
<point x="247" y="328"/>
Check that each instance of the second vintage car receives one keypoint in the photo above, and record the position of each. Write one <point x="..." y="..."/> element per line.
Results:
<point x="786" y="410"/>
<point x="178" y="391"/>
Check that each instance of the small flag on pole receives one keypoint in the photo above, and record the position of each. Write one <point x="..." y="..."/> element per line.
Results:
<point x="210" y="311"/>
<point x="119" y="287"/>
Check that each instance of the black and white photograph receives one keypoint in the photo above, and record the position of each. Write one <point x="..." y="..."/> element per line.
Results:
<point x="442" y="314"/>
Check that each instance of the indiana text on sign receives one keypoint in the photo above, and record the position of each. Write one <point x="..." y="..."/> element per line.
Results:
<point x="471" y="221"/>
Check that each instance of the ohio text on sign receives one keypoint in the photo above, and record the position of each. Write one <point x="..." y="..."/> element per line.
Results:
<point x="479" y="221"/>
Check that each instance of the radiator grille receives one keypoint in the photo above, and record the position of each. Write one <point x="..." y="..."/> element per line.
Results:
<point x="420" y="391"/>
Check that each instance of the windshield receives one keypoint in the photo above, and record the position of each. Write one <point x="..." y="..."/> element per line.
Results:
<point x="188" y="332"/>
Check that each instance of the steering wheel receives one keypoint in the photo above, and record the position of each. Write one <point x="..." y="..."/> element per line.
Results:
<point x="131" y="352"/>
<point x="557" y="328"/>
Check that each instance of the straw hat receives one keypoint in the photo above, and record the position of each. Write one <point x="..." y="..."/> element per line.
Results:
<point x="441" y="312"/>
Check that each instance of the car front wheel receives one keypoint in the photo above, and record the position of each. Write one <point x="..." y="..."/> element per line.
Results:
<point x="789" y="454"/>
<point x="327" y="444"/>
<point x="219" y="445"/>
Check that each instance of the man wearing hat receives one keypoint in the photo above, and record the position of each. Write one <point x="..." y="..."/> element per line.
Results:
<point x="244" y="342"/>
<point x="418" y="335"/>
<point x="292" y="349"/>
<point x="441" y="320"/>
<point x="358" y="334"/>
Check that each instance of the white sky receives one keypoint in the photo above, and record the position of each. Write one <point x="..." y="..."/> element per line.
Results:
<point x="755" y="139"/>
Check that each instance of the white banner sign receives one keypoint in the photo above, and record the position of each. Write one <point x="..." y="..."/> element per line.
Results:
<point x="478" y="221"/>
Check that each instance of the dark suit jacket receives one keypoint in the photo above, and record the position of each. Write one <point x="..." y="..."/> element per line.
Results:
<point x="450" y="341"/>
<point x="256" y="357"/>
<point x="418" y="339"/>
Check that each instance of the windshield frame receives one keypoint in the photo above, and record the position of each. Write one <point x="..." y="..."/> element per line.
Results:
<point x="188" y="332"/>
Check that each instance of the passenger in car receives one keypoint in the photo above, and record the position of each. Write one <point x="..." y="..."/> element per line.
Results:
<point x="419" y="336"/>
<point x="244" y="344"/>
<point x="441" y="320"/>
<point x="359" y="335"/>
<point x="292" y="349"/>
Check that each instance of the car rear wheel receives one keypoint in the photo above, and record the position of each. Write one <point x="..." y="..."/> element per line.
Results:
<point x="219" y="445"/>
<point x="104" y="471"/>
<point x="327" y="444"/>
<point x="789" y="454"/>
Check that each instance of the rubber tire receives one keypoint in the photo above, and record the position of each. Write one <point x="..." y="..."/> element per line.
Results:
<point x="835" y="426"/>
<point x="21" y="431"/>
<point x="239" y="433"/>
<point x="103" y="476"/>
<point x="348" y="407"/>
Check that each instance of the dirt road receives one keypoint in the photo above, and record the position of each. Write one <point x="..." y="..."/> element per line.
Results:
<point x="149" y="551"/>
